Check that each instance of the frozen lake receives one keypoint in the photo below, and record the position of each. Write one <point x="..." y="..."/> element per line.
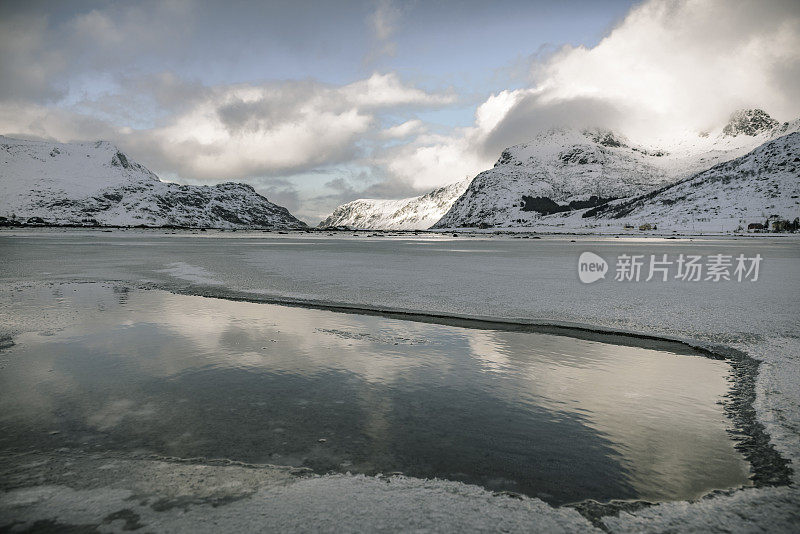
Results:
<point x="556" y="417"/>
<point x="213" y="350"/>
<point x="530" y="279"/>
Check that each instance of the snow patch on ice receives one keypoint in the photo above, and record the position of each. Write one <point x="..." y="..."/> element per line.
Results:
<point x="192" y="273"/>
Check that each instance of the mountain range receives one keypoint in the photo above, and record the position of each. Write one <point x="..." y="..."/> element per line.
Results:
<point x="592" y="180"/>
<point x="559" y="180"/>
<point x="97" y="184"/>
<point x="762" y="184"/>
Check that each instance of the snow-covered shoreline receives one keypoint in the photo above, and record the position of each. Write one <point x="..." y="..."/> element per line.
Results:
<point x="357" y="503"/>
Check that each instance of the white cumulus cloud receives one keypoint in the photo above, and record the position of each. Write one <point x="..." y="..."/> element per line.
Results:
<point x="670" y="67"/>
<point x="687" y="64"/>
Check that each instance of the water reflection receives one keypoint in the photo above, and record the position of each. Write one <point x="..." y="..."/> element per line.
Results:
<point x="628" y="395"/>
<point x="556" y="417"/>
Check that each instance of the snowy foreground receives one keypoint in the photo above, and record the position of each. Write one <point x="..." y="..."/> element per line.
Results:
<point x="492" y="276"/>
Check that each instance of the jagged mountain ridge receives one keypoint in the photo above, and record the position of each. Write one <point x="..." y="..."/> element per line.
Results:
<point x="561" y="170"/>
<point x="96" y="183"/>
<point x="414" y="213"/>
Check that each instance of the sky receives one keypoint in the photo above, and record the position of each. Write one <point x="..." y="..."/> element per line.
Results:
<point x="319" y="103"/>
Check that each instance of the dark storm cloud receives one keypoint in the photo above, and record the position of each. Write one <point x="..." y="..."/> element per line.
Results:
<point x="530" y="116"/>
<point x="281" y="104"/>
<point x="29" y="66"/>
<point x="279" y="191"/>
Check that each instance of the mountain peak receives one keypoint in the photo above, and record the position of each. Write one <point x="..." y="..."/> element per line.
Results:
<point x="749" y="122"/>
<point x="605" y="137"/>
<point x="95" y="183"/>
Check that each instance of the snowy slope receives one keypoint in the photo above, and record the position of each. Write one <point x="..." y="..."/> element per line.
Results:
<point x="95" y="183"/>
<point x="560" y="170"/>
<point x="415" y="213"/>
<point x="748" y="189"/>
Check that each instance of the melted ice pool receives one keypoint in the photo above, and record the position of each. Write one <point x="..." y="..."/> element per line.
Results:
<point x="551" y="416"/>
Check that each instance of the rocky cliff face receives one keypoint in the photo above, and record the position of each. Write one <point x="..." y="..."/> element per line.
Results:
<point x="750" y="122"/>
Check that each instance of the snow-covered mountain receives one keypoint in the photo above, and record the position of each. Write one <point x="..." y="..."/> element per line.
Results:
<point x="415" y="213"/>
<point x="562" y="170"/>
<point x="761" y="184"/>
<point x="95" y="183"/>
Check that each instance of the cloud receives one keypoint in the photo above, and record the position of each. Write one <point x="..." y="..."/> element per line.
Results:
<point x="278" y="128"/>
<point x="386" y="90"/>
<point x="403" y="130"/>
<point x="670" y="67"/>
<point x="382" y="23"/>
<point x="237" y="131"/>
<point x="121" y="33"/>
<point x="279" y="191"/>
<point x="529" y="115"/>
<point x="678" y="65"/>
<point x="36" y="121"/>
<point x="44" y="54"/>
<point x="29" y="64"/>
<point x="347" y="187"/>
<point x="210" y="141"/>
<point x="432" y="160"/>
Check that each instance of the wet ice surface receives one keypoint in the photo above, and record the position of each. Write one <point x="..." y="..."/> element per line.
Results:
<point x="554" y="417"/>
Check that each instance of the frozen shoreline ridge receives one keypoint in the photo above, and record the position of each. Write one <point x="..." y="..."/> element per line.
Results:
<point x="537" y="283"/>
